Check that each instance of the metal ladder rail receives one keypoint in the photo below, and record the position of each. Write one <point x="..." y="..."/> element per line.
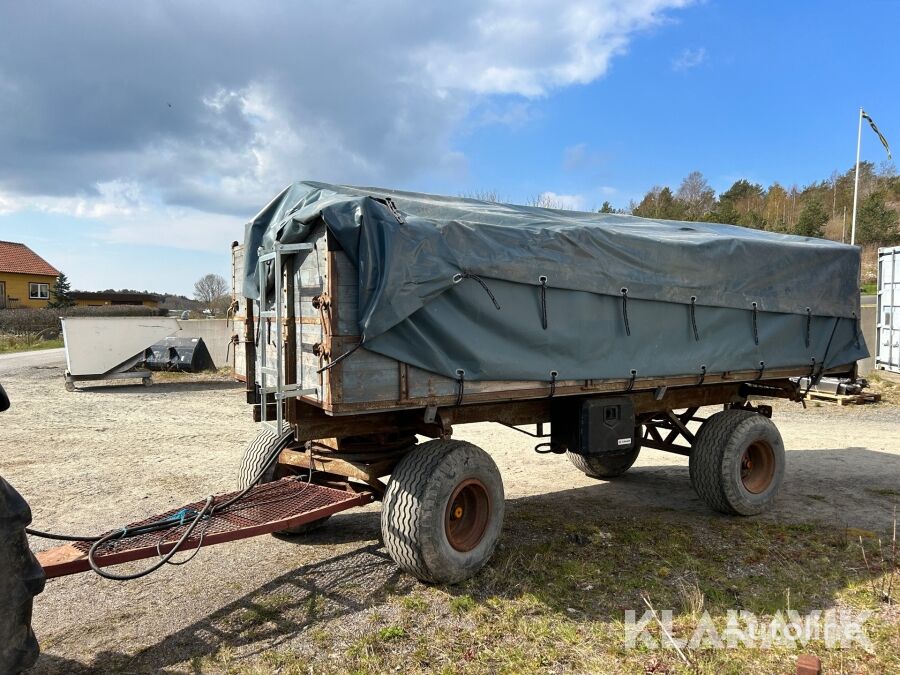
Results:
<point x="276" y="257"/>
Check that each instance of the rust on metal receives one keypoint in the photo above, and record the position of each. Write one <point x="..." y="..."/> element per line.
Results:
<point x="758" y="467"/>
<point x="809" y="664"/>
<point x="467" y="515"/>
<point x="266" y="508"/>
<point x="363" y="471"/>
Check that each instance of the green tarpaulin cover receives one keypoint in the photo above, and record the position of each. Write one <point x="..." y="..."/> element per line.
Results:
<point x="511" y="292"/>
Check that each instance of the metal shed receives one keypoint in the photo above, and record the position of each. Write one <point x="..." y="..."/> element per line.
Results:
<point x="887" y="327"/>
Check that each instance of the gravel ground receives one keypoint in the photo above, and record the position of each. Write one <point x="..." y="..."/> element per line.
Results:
<point x="98" y="458"/>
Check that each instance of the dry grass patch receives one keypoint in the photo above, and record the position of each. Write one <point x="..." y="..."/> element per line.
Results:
<point x="553" y="599"/>
<point x="27" y="342"/>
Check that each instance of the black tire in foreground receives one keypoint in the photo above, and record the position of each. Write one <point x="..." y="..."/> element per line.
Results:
<point x="737" y="462"/>
<point x="443" y="511"/>
<point x="21" y="578"/>
<point x="608" y="465"/>
<point x="255" y="457"/>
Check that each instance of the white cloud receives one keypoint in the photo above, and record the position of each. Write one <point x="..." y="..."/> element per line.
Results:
<point x="581" y="158"/>
<point x="689" y="58"/>
<point x="553" y="200"/>
<point x="167" y="112"/>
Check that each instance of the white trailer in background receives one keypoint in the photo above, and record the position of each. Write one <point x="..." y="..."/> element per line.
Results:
<point x="108" y="348"/>
<point x="887" y="325"/>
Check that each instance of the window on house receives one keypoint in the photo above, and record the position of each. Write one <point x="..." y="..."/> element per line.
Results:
<point x="39" y="291"/>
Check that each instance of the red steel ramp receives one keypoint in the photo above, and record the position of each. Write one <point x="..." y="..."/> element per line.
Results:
<point x="266" y="508"/>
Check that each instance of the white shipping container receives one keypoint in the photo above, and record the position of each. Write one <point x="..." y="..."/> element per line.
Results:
<point x="887" y="327"/>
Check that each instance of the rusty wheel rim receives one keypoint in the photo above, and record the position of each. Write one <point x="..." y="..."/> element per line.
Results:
<point x="468" y="514"/>
<point x="758" y="467"/>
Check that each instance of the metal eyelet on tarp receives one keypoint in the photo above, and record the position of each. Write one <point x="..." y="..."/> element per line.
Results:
<point x="631" y="381"/>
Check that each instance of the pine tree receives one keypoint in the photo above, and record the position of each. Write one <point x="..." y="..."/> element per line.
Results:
<point x="811" y="222"/>
<point x="877" y="223"/>
<point x="62" y="293"/>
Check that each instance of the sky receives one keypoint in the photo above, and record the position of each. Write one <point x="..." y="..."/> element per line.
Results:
<point x="136" y="139"/>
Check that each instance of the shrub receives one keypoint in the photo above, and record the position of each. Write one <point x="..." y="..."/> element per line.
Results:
<point x="46" y="321"/>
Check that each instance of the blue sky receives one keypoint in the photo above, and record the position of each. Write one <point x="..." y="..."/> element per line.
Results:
<point x="134" y="144"/>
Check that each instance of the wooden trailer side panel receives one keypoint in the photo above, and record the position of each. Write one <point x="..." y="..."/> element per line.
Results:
<point x="238" y="313"/>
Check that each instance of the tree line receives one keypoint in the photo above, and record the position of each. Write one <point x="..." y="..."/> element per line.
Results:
<point x="821" y="209"/>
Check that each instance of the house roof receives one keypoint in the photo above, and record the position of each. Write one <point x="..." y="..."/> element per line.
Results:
<point x="17" y="258"/>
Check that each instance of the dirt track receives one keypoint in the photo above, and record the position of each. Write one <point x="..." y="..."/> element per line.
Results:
<point x="91" y="460"/>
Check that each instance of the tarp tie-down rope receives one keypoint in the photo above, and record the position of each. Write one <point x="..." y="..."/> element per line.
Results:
<point x="762" y="369"/>
<point x="460" y="386"/>
<point x="631" y="381"/>
<point x="702" y="374"/>
<point x="808" y="323"/>
<point x="755" y="327"/>
<point x="340" y="358"/>
<point x="694" y="318"/>
<point x="466" y="275"/>
<point x="625" y="310"/>
<point x="543" y="280"/>
<point x="553" y="375"/>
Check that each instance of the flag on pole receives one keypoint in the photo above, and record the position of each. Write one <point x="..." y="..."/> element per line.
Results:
<point x="878" y="133"/>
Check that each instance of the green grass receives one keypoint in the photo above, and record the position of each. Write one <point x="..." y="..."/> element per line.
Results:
<point x="554" y="595"/>
<point x="868" y="289"/>
<point x="27" y="342"/>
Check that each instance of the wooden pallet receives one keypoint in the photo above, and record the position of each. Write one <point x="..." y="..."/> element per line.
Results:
<point x="844" y="399"/>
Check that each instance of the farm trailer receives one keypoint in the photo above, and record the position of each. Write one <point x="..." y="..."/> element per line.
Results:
<point x="372" y="317"/>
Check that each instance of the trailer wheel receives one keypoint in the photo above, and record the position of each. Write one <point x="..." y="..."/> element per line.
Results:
<point x="737" y="462"/>
<point x="608" y="465"/>
<point x="443" y="511"/>
<point x="257" y="452"/>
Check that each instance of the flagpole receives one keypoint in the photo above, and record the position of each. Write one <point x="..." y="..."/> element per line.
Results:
<point x="856" y="180"/>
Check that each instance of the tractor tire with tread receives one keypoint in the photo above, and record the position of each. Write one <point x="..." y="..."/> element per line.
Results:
<point x="718" y="465"/>
<point x="608" y="465"/>
<point x="420" y="504"/>
<point x="256" y="453"/>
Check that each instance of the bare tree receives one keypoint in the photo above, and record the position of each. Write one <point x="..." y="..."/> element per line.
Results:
<point x="550" y="200"/>
<point x="696" y="194"/>
<point x="483" y="196"/>
<point x="212" y="291"/>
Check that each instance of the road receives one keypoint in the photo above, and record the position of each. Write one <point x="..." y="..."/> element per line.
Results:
<point x="42" y="358"/>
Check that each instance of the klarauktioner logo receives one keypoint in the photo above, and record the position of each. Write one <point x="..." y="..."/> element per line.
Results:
<point x="785" y="629"/>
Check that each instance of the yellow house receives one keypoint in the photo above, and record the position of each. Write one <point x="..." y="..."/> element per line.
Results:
<point x="106" y="298"/>
<point x="25" y="278"/>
